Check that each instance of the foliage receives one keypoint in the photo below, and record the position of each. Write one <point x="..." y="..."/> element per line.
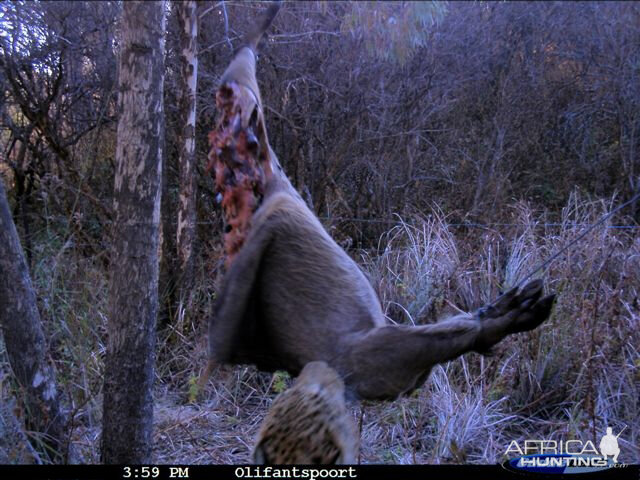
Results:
<point x="281" y="381"/>
<point x="393" y="30"/>
<point x="517" y="116"/>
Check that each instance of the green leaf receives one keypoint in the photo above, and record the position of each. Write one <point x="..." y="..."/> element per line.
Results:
<point x="280" y="381"/>
<point x="193" y="389"/>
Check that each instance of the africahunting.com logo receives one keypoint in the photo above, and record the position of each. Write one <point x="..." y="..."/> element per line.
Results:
<point x="570" y="456"/>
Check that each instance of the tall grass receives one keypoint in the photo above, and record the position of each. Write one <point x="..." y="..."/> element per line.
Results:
<point x="570" y="378"/>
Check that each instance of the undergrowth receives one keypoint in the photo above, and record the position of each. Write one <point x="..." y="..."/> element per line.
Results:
<point x="569" y="379"/>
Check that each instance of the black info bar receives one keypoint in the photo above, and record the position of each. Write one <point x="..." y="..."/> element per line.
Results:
<point x="235" y="472"/>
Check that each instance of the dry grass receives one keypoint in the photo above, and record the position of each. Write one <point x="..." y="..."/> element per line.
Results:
<point x="571" y="378"/>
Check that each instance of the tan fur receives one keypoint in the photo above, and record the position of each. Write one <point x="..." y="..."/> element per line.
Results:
<point x="293" y="296"/>
<point x="309" y="423"/>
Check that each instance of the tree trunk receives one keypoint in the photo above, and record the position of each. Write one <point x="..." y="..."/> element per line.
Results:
<point x="25" y="343"/>
<point x="133" y="293"/>
<point x="185" y="232"/>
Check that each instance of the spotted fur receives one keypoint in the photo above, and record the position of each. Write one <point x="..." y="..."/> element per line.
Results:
<point x="309" y="424"/>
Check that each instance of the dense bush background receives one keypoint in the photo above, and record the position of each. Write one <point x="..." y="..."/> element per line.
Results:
<point x="400" y="128"/>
